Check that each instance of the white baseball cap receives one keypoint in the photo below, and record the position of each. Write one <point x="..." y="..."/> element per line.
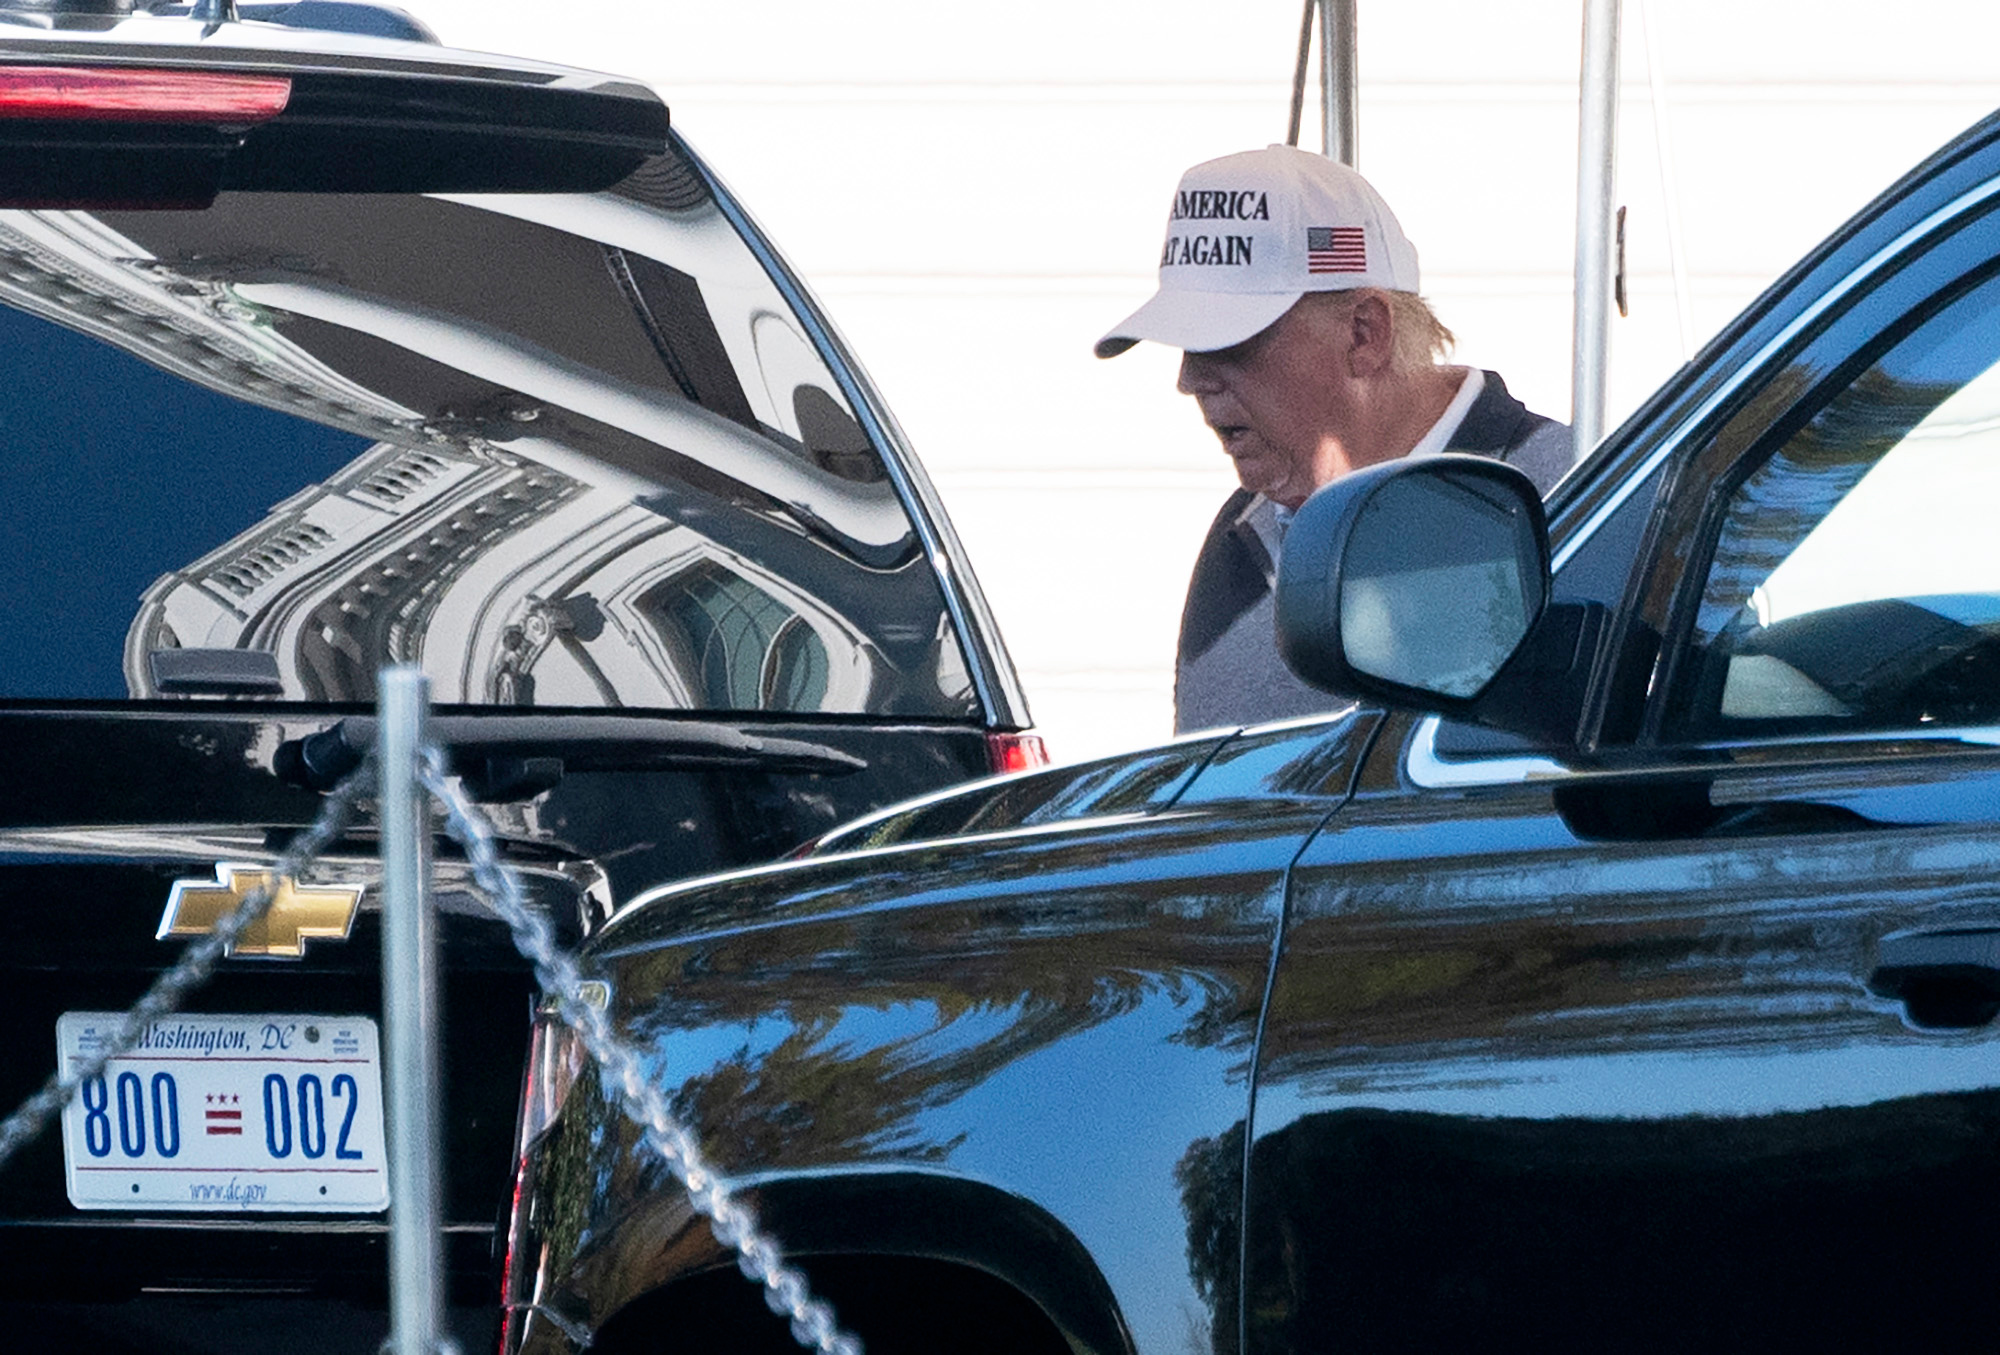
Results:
<point x="1250" y="234"/>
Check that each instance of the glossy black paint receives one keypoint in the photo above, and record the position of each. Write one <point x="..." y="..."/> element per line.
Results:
<point x="153" y="419"/>
<point x="1653" y="1025"/>
<point x="1534" y="1043"/>
<point x="421" y="124"/>
<point x="1031" y="1040"/>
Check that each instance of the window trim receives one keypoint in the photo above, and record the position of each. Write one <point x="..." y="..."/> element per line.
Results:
<point x="1421" y="763"/>
<point x="1875" y="263"/>
<point x="1426" y="769"/>
<point x="1720" y="491"/>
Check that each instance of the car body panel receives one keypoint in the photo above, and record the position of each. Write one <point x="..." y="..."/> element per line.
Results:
<point x="1093" y="982"/>
<point x="1529" y="1045"/>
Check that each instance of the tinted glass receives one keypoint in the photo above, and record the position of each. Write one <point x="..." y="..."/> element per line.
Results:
<point x="1855" y="583"/>
<point x="563" y="451"/>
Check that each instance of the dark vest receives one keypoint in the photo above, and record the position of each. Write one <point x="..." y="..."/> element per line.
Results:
<point x="1233" y="573"/>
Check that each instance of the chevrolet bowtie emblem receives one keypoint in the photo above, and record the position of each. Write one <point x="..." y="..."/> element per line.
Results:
<point x="297" y="911"/>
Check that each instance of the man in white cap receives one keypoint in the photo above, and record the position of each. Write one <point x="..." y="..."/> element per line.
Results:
<point x="1293" y="293"/>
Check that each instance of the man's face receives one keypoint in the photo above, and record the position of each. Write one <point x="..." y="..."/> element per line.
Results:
<point x="1281" y="401"/>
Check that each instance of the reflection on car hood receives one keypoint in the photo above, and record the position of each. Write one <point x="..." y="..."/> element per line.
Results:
<point x="994" y="828"/>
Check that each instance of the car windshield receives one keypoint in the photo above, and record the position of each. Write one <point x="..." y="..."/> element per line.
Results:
<point x="560" y="450"/>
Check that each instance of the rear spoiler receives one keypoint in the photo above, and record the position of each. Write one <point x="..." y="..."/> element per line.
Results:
<point x="137" y="126"/>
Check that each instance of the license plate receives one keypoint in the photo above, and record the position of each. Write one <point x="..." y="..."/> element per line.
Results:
<point x="227" y="1114"/>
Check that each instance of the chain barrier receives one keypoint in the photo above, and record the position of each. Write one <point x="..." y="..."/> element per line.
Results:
<point x="192" y="970"/>
<point x="786" y="1291"/>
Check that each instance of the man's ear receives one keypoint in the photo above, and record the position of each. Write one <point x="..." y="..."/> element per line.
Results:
<point x="1371" y="336"/>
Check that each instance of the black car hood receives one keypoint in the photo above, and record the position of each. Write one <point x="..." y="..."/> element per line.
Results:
<point x="990" y="833"/>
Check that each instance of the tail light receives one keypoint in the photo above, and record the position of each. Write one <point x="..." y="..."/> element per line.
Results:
<point x="1015" y="751"/>
<point x="555" y="1057"/>
<point x="511" y="1280"/>
<point x="70" y="94"/>
<point x="555" y="1060"/>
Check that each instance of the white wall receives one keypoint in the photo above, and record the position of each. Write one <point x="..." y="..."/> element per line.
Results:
<point x="977" y="192"/>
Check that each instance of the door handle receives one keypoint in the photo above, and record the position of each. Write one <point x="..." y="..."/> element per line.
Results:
<point x="1946" y="980"/>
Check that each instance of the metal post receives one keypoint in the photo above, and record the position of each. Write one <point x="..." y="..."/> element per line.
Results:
<point x="409" y="1011"/>
<point x="1340" y="93"/>
<point x="1299" y="72"/>
<point x="1596" y="176"/>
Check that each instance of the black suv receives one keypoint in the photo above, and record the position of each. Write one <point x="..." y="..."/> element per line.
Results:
<point x="1618" y="975"/>
<point x="324" y="351"/>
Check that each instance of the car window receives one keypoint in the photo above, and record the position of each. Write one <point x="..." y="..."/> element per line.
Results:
<point x="1854" y="582"/>
<point x="564" y="450"/>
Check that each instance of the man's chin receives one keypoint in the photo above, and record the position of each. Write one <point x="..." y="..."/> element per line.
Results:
<point x="1259" y="480"/>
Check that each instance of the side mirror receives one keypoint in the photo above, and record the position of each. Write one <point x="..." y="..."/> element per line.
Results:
<point x="1415" y="581"/>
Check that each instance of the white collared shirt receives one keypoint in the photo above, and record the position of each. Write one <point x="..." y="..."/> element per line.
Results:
<point x="1438" y="438"/>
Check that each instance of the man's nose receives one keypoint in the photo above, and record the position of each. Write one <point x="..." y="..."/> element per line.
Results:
<point x="1199" y="375"/>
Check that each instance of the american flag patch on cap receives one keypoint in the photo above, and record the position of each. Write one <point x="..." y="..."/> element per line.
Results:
<point x="1336" y="249"/>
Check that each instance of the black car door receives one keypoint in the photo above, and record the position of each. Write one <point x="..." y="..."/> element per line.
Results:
<point x="1683" y="1041"/>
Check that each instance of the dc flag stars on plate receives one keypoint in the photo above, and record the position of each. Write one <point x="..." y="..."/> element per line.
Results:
<point x="222" y="1120"/>
<point x="1336" y="249"/>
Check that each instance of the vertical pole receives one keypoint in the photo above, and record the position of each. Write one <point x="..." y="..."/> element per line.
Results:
<point x="1340" y="93"/>
<point x="410" y="1011"/>
<point x="1299" y="72"/>
<point x="1596" y="174"/>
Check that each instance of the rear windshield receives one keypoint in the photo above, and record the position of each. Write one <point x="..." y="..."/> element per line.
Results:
<point x="562" y="451"/>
